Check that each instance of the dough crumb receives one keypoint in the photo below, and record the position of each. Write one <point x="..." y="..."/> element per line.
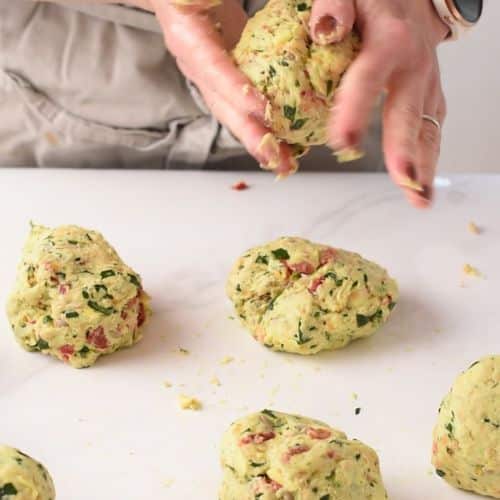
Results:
<point x="354" y="396"/>
<point x="471" y="271"/>
<point x="167" y="384"/>
<point x="189" y="403"/>
<point x="226" y="360"/>
<point x="411" y="184"/>
<point x="168" y="482"/>
<point x="473" y="228"/>
<point x="215" y="381"/>
<point x="240" y="186"/>
<point x="183" y="351"/>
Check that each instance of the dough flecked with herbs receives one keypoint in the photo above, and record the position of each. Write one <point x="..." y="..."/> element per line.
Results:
<point x="302" y="297"/>
<point x="276" y="456"/>
<point x="74" y="298"/>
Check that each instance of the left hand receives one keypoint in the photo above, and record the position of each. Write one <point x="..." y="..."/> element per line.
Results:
<point x="398" y="55"/>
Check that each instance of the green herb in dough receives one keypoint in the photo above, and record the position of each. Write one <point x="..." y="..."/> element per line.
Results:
<point x="466" y="438"/>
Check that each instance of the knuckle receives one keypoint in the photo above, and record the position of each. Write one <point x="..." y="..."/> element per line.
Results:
<point x="431" y="138"/>
<point x="400" y="34"/>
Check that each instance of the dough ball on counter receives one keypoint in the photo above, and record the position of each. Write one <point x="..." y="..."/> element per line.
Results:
<point x="22" y="478"/>
<point x="302" y="297"/>
<point x="298" y="76"/>
<point x="74" y="298"/>
<point x="466" y="439"/>
<point x="271" y="455"/>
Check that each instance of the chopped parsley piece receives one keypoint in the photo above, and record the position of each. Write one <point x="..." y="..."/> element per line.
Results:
<point x="61" y="275"/>
<point x="41" y="345"/>
<point x="134" y="280"/>
<point x="289" y="112"/>
<point x="299" y="336"/>
<point x="47" y="319"/>
<point x="301" y="7"/>
<point x="338" y="281"/>
<point x="238" y="288"/>
<point x="298" y="124"/>
<point x="269" y="413"/>
<point x="473" y="364"/>
<point x="362" y="320"/>
<point x="85" y="294"/>
<point x="83" y="351"/>
<point x="391" y="305"/>
<point x="449" y="427"/>
<point x="7" y="489"/>
<point x="365" y="277"/>
<point x="71" y="314"/>
<point x="107" y="273"/>
<point x="329" y="87"/>
<point x="272" y="71"/>
<point x="97" y="307"/>
<point x="255" y="464"/>
<point x="357" y="456"/>
<point x="357" y="411"/>
<point x="73" y="242"/>
<point x="325" y="497"/>
<point x="262" y="259"/>
<point x="280" y="254"/>
<point x="440" y="473"/>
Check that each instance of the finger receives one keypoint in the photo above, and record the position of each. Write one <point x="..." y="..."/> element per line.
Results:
<point x="194" y="39"/>
<point x="257" y="139"/>
<point x="195" y="5"/>
<point x="402" y="121"/>
<point x="331" y="20"/>
<point x="429" y="149"/>
<point x="354" y="101"/>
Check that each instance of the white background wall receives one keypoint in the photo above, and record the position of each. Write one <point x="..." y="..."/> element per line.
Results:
<point x="470" y="71"/>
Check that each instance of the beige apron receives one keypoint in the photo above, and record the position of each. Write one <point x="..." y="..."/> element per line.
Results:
<point x="93" y="86"/>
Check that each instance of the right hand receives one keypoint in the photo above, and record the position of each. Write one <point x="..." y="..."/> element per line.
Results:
<point x="201" y="38"/>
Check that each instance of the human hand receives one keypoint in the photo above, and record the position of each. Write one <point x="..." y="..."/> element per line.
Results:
<point x="200" y="38"/>
<point x="398" y="56"/>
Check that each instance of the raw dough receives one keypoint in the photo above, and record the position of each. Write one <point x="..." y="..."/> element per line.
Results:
<point x="74" y="298"/>
<point x="466" y="440"/>
<point x="302" y="297"/>
<point x="271" y="455"/>
<point x="22" y="478"/>
<point x="298" y="76"/>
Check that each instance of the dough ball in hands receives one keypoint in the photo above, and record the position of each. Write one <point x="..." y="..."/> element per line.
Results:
<point x="271" y="455"/>
<point x="74" y="298"/>
<point x="302" y="297"/>
<point x="22" y="478"/>
<point x="298" y="76"/>
<point x="466" y="439"/>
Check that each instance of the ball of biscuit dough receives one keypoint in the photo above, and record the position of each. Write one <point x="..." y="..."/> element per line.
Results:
<point x="466" y="439"/>
<point x="271" y="455"/>
<point x="23" y="478"/>
<point x="74" y="298"/>
<point x="298" y="76"/>
<point x="302" y="297"/>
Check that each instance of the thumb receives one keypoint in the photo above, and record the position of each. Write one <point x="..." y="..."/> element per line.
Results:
<point x="331" y="20"/>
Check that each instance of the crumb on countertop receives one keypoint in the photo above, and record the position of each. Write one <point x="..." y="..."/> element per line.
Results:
<point x="168" y="482"/>
<point x="354" y="396"/>
<point x="181" y="350"/>
<point x="474" y="228"/>
<point x="240" y="186"/>
<point x="471" y="271"/>
<point x="226" y="360"/>
<point x="215" y="381"/>
<point x="189" y="403"/>
<point x="167" y="384"/>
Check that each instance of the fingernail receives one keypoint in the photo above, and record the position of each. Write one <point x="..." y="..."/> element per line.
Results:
<point x="349" y="141"/>
<point x="269" y="152"/>
<point x="426" y="193"/>
<point x="411" y="172"/>
<point x="325" y="30"/>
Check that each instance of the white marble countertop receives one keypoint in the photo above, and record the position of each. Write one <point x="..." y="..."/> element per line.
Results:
<point x="114" y="432"/>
